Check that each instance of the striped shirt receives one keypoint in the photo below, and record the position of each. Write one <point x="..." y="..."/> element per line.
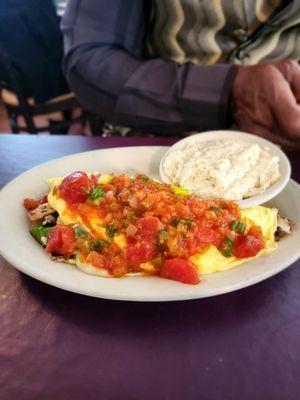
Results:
<point x="214" y="31"/>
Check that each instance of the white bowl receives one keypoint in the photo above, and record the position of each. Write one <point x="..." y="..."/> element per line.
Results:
<point x="268" y="194"/>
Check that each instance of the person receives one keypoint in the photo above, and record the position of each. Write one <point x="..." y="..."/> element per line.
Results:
<point x="173" y="66"/>
<point x="30" y="36"/>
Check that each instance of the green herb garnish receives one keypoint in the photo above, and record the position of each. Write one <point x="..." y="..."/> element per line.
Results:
<point x="225" y="253"/>
<point x="228" y="242"/>
<point x="217" y="210"/>
<point x="228" y="250"/>
<point x="241" y="227"/>
<point x="96" y="193"/>
<point x="234" y="224"/>
<point x="144" y="177"/>
<point x="185" y="221"/>
<point x="100" y="244"/>
<point x="80" y="232"/>
<point x="237" y="226"/>
<point x="111" y="230"/>
<point x="162" y="235"/>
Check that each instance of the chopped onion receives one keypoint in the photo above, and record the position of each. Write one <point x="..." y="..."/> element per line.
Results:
<point x="131" y="230"/>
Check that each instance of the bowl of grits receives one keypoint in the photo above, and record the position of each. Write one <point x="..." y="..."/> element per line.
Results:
<point x="233" y="165"/>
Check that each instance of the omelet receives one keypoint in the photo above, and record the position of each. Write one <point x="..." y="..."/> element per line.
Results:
<point x="208" y="261"/>
<point x="211" y="260"/>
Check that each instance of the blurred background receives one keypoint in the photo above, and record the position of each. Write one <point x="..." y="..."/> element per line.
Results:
<point x="35" y="97"/>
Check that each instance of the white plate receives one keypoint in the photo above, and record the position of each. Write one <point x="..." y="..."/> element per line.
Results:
<point x="19" y="248"/>
<point x="268" y="194"/>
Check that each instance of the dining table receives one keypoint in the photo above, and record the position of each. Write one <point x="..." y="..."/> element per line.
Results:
<point x="58" y="345"/>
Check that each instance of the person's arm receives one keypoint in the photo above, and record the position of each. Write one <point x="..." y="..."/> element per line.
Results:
<point x="105" y="67"/>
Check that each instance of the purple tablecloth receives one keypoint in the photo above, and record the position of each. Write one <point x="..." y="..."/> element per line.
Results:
<point x="58" y="345"/>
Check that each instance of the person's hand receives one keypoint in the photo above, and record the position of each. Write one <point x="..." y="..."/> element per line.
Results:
<point x="265" y="101"/>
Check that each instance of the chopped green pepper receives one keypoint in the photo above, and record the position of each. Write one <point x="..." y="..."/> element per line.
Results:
<point x="40" y="234"/>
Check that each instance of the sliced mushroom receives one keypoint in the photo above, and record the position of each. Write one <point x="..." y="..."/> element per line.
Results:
<point x="284" y="227"/>
<point x="70" y="260"/>
<point x="49" y="220"/>
<point x="40" y="212"/>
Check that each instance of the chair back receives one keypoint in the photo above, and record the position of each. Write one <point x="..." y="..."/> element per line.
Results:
<point x="11" y="78"/>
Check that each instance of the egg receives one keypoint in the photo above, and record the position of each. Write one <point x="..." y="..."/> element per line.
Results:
<point x="211" y="260"/>
<point x="120" y="240"/>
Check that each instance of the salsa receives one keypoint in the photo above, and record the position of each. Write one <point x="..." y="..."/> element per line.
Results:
<point x="161" y="225"/>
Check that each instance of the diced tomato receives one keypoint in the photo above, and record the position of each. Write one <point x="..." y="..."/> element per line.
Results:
<point x="86" y="209"/>
<point x="94" y="179"/>
<point x="148" y="227"/>
<point x="206" y="235"/>
<point x="120" y="182"/>
<point x="247" y="245"/>
<point x="140" y="252"/>
<point x="30" y="204"/>
<point x="44" y="199"/>
<point x="256" y="231"/>
<point x="108" y="188"/>
<point x="180" y="270"/>
<point x="191" y="246"/>
<point x="182" y="210"/>
<point x="96" y="259"/>
<point x="130" y="240"/>
<point x="61" y="240"/>
<point x="118" y="265"/>
<point x="74" y="187"/>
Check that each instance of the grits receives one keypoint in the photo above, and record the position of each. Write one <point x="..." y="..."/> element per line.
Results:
<point x="227" y="169"/>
